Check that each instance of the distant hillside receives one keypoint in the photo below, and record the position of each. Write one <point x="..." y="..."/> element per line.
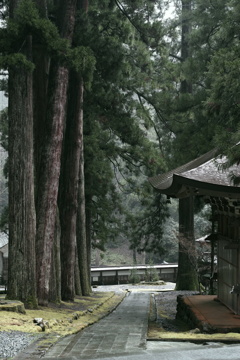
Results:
<point x="120" y="255"/>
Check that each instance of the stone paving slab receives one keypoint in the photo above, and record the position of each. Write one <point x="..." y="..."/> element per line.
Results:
<point x="122" y="332"/>
<point x="121" y="335"/>
<point x="38" y="348"/>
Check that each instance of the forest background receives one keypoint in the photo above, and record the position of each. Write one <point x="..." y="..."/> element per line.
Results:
<point x="102" y="95"/>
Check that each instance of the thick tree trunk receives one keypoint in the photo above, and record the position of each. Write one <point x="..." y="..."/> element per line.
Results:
<point x="78" y="289"/>
<point x="40" y="86"/>
<point x="84" y="5"/>
<point x="83" y="243"/>
<point x="55" y="277"/>
<point x="51" y="157"/>
<point x="57" y="259"/>
<point x="69" y="186"/>
<point x="42" y="7"/>
<point x="22" y="219"/>
<point x="88" y="212"/>
<point x="83" y="248"/>
<point x="48" y="184"/>
<point x="187" y="275"/>
<point x="134" y="253"/>
<point x="186" y="86"/>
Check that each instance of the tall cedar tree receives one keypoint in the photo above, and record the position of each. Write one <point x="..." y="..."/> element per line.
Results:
<point x="222" y="104"/>
<point x="114" y="109"/>
<point x="51" y="155"/>
<point x="84" y="242"/>
<point x="68" y="200"/>
<point x="50" y="85"/>
<point x="187" y="275"/>
<point x="72" y="194"/>
<point x="22" y="219"/>
<point x="50" y="94"/>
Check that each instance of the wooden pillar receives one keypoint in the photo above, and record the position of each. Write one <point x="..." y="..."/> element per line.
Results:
<point x="187" y="275"/>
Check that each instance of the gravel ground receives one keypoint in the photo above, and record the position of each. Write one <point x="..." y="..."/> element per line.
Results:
<point x="166" y="309"/>
<point x="11" y="342"/>
<point x="130" y="287"/>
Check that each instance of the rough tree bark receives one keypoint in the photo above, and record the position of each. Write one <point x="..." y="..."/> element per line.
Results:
<point x="40" y="85"/>
<point x="186" y="86"/>
<point x="78" y="289"/>
<point x="83" y="241"/>
<point x="51" y="157"/>
<point x="22" y="218"/>
<point x="55" y="277"/>
<point x="69" y="185"/>
<point x="88" y="212"/>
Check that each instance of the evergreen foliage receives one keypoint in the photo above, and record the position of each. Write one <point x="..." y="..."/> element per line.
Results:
<point x="28" y="21"/>
<point x="151" y="274"/>
<point x="153" y="99"/>
<point x="145" y="223"/>
<point x="222" y="75"/>
<point x="115" y="124"/>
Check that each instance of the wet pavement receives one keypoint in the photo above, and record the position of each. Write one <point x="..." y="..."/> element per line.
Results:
<point x="123" y="332"/>
<point x="122" y="335"/>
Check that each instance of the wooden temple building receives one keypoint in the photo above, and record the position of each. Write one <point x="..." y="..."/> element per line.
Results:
<point x="206" y="177"/>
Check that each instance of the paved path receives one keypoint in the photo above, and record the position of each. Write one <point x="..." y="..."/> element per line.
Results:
<point x="121" y="333"/>
<point x="122" y="336"/>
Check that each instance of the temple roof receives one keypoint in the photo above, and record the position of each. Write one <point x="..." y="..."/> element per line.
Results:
<point x="205" y="175"/>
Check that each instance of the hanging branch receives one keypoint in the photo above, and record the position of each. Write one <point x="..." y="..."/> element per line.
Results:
<point x="121" y="8"/>
<point x="115" y="168"/>
<point x="142" y="34"/>
<point x="158" y="111"/>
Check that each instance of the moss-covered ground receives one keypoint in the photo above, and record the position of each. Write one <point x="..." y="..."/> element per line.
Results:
<point x="157" y="333"/>
<point x="64" y="318"/>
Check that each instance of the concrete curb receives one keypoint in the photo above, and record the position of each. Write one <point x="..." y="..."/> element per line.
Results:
<point x="197" y="341"/>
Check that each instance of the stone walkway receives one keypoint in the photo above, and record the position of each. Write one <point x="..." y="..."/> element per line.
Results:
<point x="121" y="333"/>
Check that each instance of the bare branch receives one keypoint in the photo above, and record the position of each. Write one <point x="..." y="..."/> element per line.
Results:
<point x="176" y="57"/>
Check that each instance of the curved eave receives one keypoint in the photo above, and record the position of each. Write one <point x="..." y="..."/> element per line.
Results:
<point x="195" y="187"/>
<point x="169" y="188"/>
<point x="180" y="187"/>
<point x="164" y="182"/>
